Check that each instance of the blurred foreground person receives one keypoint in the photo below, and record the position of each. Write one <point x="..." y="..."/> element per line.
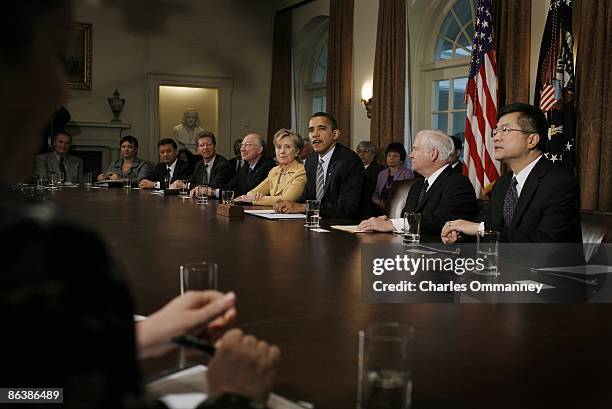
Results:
<point x="70" y="318"/>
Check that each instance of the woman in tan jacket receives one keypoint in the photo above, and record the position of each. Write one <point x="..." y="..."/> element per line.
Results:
<point x="285" y="181"/>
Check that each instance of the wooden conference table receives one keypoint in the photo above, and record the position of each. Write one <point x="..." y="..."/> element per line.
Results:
<point x="301" y="290"/>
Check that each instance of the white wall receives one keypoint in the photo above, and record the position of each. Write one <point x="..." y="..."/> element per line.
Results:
<point x="231" y="38"/>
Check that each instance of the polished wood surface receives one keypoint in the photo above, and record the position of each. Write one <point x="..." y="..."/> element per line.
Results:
<point x="301" y="290"/>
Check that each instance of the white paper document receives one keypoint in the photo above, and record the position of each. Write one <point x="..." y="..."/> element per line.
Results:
<point x="272" y="215"/>
<point x="187" y="388"/>
<point x="589" y="270"/>
<point x="349" y="229"/>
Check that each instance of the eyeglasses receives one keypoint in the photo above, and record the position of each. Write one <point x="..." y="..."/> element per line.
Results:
<point x="506" y="130"/>
<point x="247" y="145"/>
<point x="363" y="151"/>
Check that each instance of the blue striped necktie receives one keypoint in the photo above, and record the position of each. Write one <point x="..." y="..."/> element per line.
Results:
<point x="320" y="180"/>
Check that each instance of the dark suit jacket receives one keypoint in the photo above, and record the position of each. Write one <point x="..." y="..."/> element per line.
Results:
<point x="181" y="171"/>
<point x="220" y="174"/>
<point x="459" y="168"/>
<point x="548" y="209"/>
<point x="245" y="180"/>
<point x="343" y="184"/>
<point x="368" y="208"/>
<point x="450" y="197"/>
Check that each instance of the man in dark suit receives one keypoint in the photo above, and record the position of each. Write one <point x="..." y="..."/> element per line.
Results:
<point x="237" y="160"/>
<point x="367" y="152"/>
<point x="441" y="196"/>
<point x="535" y="203"/>
<point x="334" y="173"/>
<point x="255" y="168"/>
<point x="213" y="170"/>
<point x="456" y="162"/>
<point x="168" y="166"/>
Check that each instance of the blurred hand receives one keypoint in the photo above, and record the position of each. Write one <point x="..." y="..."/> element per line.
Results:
<point x="243" y="365"/>
<point x="101" y="177"/>
<point x="146" y="184"/>
<point x="285" y="206"/>
<point x="249" y="198"/>
<point x="177" y="184"/>
<point x="382" y="224"/>
<point x="113" y="176"/>
<point x="204" y="314"/>
<point x="452" y="230"/>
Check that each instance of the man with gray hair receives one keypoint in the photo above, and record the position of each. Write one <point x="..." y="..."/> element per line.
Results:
<point x="440" y="196"/>
<point x="367" y="152"/>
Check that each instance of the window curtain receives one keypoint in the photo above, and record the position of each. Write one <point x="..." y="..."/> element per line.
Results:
<point x="593" y="102"/>
<point x="512" y="31"/>
<point x="340" y="65"/>
<point x="388" y="101"/>
<point x="279" y="114"/>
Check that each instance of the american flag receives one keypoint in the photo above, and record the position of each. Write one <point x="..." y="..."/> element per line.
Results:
<point x="481" y="97"/>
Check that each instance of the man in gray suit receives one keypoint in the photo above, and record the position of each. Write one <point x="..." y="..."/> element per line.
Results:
<point x="58" y="161"/>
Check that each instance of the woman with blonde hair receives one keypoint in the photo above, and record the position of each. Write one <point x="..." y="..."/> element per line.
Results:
<point x="285" y="181"/>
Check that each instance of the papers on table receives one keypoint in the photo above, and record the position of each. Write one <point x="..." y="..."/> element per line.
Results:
<point x="589" y="270"/>
<point x="187" y="388"/>
<point x="349" y="229"/>
<point x="272" y="215"/>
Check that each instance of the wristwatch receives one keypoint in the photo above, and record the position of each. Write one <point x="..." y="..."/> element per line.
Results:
<point x="231" y="401"/>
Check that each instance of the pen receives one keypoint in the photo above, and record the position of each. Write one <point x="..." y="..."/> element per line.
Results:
<point x="193" y="342"/>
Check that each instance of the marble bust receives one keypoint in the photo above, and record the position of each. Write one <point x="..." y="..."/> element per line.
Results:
<point x="187" y="131"/>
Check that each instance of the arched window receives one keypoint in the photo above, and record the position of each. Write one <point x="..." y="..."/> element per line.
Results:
<point x="310" y="71"/>
<point x="444" y="69"/>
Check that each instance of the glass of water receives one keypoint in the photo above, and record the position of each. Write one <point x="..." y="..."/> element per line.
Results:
<point x="201" y="194"/>
<point x="487" y="248"/>
<point x="385" y="366"/>
<point x="184" y="190"/>
<point x="312" y="213"/>
<point x="412" y="228"/>
<point x="227" y="197"/>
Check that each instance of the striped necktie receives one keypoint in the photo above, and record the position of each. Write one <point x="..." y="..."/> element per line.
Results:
<point x="422" y="193"/>
<point x="62" y="166"/>
<point x="320" y="180"/>
<point x="205" y="174"/>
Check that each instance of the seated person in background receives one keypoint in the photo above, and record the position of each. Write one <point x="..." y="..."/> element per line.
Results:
<point x="285" y="181"/>
<point x="80" y="304"/>
<point x="253" y="172"/>
<point x="213" y="170"/>
<point x="59" y="161"/>
<point x="168" y="166"/>
<point x="129" y="166"/>
<point x="440" y="197"/>
<point x="367" y="152"/>
<point x="334" y="173"/>
<point x="537" y="202"/>
<point x="456" y="161"/>
<point x="186" y="156"/>
<point x="396" y="171"/>
<point x="306" y="150"/>
<point x="236" y="161"/>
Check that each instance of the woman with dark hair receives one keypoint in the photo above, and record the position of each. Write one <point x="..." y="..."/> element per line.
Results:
<point x="129" y="166"/>
<point x="186" y="156"/>
<point x="396" y="170"/>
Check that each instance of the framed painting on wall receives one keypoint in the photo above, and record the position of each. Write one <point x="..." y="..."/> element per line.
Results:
<point x="77" y="61"/>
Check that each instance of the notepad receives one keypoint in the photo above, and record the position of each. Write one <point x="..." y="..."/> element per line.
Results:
<point x="187" y="388"/>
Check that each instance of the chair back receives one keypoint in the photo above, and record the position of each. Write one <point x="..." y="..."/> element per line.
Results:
<point x="397" y="198"/>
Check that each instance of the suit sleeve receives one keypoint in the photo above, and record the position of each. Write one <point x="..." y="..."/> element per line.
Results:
<point x="458" y="201"/>
<point x="41" y="166"/>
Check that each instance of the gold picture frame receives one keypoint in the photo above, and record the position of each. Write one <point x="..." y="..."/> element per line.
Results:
<point x="77" y="62"/>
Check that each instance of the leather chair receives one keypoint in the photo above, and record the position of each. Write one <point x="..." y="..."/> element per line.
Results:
<point x="397" y="198"/>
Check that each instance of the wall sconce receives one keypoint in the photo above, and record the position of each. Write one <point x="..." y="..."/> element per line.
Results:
<point x="366" y="97"/>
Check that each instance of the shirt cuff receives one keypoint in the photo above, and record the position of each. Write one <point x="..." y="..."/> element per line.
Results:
<point x="481" y="228"/>
<point x="157" y="185"/>
<point x="398" y="224"/>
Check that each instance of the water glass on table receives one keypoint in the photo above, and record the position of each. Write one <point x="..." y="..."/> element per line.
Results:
<point x="312" y="213"/>
<point x="202" y="194"/>
<point x="184" y="189"/>
<point x="412" y="228"/>
<point x="127" y="183"/>
<point x="198" y="276"/>
<point x="88" y="179"/>
<point x="385" y="366"/>
<point x="227" y="197"/>
<point x="487" y="248"/>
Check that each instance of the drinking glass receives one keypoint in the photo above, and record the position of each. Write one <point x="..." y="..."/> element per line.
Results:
<point x="312" y="213"/>
<point x="202" y="197"/>
<point x="227" y="197"/>
<point x="412" y="228"/>
<point x="487" y="248"/>
<point x="199" y="276"/>
<point x="385" y="366"/>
